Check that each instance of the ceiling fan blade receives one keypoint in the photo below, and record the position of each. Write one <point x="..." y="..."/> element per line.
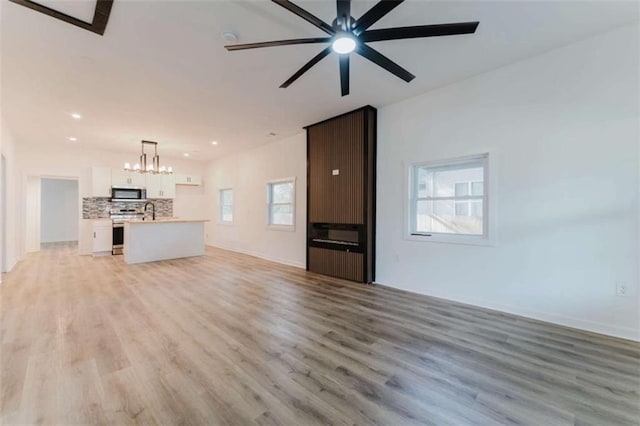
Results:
<point x="314" y="20"/>
<point x="344" y="13"/>
<point x="278" y="43"/>
<point x="306" y="67"/>
<point x="344" y="74"/>
<point x="384" y="62"/>
<point x="374" y="14"/>
<point x="419" y="31"/>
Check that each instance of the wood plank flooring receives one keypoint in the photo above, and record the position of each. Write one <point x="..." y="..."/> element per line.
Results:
<point x="231" y="339"/>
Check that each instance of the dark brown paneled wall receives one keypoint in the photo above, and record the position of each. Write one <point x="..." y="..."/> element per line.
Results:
<point x="336" y="263"/>
<point x="341" y="161"/>
<point x="337" y="144"/>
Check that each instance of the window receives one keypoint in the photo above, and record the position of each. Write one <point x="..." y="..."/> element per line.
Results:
<point x="469" y="207"/>
<point x="449" y="198"/>
<point x="281" y="197"/>
<point x="226" y="206"/>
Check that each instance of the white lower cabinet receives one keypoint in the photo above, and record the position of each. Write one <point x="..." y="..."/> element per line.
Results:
<point x="102" y="236"/>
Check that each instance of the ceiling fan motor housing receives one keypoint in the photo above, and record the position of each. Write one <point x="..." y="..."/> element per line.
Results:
<point x="342" y="23"/>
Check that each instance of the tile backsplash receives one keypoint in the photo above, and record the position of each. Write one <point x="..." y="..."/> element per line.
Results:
<point x="99" y="207"/>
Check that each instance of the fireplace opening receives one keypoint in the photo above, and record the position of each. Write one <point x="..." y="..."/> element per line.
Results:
<point x="337" y="236"/>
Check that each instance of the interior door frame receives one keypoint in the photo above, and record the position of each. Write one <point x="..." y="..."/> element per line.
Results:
<point x="33" y="200"/>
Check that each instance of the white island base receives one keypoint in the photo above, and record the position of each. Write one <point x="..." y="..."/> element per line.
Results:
<point x="150" y="241"/>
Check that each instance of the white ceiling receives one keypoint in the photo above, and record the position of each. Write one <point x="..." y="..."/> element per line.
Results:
<point x="161" y="73"/>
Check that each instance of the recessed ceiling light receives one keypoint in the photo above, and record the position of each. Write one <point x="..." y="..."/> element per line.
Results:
<point x="186" y="154"/>
<point x="214" y="142"/>
<point x="73" y="138"/>
<point x="76" y="116"/>
<point x="229" y="37"/>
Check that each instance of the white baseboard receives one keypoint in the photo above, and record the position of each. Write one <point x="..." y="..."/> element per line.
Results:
<point x="261" y="256"/>
<point x="550" y="317"/>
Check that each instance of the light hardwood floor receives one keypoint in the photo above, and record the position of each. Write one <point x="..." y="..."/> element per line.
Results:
<point x="231" y="339"/>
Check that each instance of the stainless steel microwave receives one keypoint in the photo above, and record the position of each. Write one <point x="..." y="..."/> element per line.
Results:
<point x="128" y="194"/>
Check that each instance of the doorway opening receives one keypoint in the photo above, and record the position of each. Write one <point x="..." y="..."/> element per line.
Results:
<point x="59" y="216"/>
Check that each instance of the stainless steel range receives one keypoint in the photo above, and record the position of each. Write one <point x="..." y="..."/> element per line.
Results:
<point x="118" y="216"/>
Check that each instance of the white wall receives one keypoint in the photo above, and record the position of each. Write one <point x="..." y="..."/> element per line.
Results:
<point x="11" y="239"/>
<point x="75" y="162"/>
<point x="562" y="133"/>
<point x="248" y="173"/>
<point x="59" y="210"/>
<point x="191" y="201"/>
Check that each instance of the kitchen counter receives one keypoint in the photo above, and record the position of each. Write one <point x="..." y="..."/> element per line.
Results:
<point x="163" y="239"/>
<point x="165" y="220"/>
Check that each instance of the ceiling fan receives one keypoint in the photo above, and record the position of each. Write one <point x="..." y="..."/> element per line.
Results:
<point x="347" y="35"/>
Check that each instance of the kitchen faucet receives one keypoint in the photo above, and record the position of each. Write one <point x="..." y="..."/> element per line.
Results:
<point x="153" y="210"/>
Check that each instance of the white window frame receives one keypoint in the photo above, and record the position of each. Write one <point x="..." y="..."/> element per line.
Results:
<point x="489" y="207"/>
<point x="269" y="185"/>
<point x="220" y="206"/>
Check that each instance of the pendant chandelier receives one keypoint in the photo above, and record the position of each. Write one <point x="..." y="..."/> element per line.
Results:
<point x="154" y="167"/>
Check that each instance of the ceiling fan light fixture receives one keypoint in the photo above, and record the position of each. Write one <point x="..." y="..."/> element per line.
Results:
<point x="347" y="35"/>
<point x="344" y="44"/>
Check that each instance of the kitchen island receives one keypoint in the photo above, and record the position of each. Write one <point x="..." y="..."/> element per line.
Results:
<point x="162" y="239"/>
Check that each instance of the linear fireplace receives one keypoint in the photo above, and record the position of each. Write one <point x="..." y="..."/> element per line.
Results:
<point x="337" y="236"/>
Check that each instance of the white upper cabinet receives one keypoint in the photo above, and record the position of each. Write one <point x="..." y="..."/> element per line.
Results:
<point x="126" y="179"/>
<point x="137" y="180"/>
<point x="154" y="186"/>
<point x="100" y="182"/>
<point x="168" y="186"/>
<point x="161" y="186"/>
<point x="158" y="186"/>
<point x="120" y="177"/>
<point x="182" y="179"/>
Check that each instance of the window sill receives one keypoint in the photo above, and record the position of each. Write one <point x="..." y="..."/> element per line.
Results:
<point x="288" y="228"/>
<point x="224" y="223"/>
<point x="452" y="239"/>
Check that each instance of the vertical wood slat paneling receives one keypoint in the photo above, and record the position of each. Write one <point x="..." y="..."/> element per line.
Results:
<point x="336" y="263"/>
<point x="337" y="144"/>
<point x="320" y="184"/>
<point x="345" y="143"/>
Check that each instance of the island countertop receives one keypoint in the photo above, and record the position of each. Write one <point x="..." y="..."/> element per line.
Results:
<point x="164" y="220"/>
